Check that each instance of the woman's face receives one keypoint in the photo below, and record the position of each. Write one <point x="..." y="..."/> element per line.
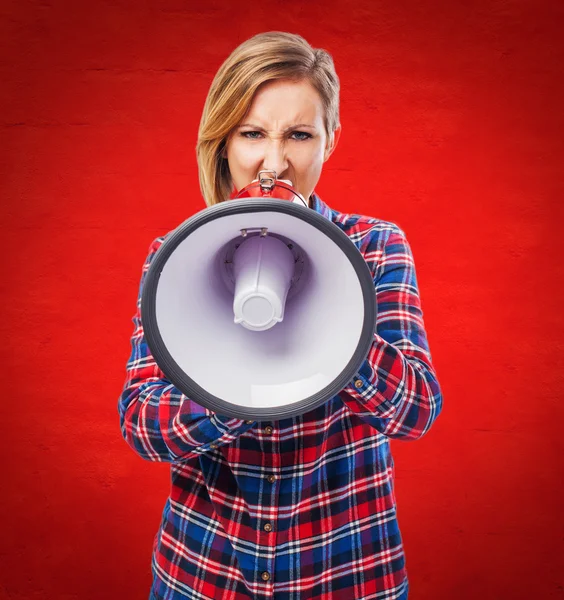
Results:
<point x="283" y="131"/>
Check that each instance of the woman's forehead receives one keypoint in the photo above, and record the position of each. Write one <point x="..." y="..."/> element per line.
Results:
<point x="285" y="104"/>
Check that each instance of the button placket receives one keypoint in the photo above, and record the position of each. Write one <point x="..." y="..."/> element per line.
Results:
<point x="267" y="517"/>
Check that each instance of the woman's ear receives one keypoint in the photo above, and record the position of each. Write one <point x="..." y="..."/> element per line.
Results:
<point x="332" y="143"/>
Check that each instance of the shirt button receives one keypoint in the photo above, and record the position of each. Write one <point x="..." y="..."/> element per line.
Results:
<point x="267" y="527"/>
<point x="358" y="383"/>
<point x="265" y="575"/>
<point x="271" y="478"/>
<point x="268" y="430"/>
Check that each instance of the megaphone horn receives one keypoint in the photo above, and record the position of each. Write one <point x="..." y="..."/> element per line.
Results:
<point x="259" y="308"/>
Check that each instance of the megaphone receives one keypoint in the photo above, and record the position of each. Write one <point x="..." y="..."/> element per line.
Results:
<point x="259" y="308"/>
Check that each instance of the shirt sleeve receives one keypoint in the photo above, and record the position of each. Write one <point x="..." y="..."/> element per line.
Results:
<point x="159" y="422"/>
<point x="396" y="388"/>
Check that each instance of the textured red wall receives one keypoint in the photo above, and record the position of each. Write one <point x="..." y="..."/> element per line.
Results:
<point x="453" y="128"/>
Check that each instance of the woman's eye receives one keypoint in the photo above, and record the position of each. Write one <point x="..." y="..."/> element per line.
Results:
<point x="251" y="135"/>
<point x="300" y="136"/>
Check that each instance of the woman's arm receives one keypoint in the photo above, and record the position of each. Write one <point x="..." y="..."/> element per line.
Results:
<point x="396" y="388"/>
<point x="157" y="420"/>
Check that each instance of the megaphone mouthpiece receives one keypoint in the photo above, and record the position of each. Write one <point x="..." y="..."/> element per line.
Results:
<point x="267" y="186"/>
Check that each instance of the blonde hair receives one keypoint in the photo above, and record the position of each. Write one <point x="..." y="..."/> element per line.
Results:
<point x="265" y="57"/>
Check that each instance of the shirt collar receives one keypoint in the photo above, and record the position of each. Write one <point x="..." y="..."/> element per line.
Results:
<point x="320" y="207"/>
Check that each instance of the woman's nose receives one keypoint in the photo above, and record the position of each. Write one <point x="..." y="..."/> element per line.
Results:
<point x="275" y="158"/>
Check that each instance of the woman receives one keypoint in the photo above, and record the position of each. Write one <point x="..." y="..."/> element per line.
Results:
<point x="302" y="507"/>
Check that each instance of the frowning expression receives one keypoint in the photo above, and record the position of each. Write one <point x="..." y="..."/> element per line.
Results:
<point x="284" y="131"/>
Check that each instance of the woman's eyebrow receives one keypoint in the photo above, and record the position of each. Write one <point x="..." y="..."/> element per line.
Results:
<point x="290" y="128"/>
<point x="300" y="126"/>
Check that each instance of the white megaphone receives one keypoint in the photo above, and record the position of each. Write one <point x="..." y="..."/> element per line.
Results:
<point x="259" y="307"/>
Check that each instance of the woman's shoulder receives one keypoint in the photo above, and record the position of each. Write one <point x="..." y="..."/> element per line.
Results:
<point x="366" y="224"/>
<point x="158" y="242"/>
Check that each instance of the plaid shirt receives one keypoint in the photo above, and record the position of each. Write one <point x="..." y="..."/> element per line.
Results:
<point x="301" y="508"/>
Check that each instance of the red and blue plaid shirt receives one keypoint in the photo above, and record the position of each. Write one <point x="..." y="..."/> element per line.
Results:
<point x="304" y="507"/>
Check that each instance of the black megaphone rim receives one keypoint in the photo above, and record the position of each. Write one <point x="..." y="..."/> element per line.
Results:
<point x="188" y="386"/>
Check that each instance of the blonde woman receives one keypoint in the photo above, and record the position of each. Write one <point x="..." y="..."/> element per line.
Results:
<point x="302" y="507"/>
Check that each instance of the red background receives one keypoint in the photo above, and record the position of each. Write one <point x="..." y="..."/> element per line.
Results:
<point x="453" y="127"/>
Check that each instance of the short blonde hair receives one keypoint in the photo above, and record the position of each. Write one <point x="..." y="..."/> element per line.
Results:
<point x="265" y="57"/>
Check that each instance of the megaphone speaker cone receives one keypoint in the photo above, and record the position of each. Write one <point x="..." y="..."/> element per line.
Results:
<point x="302" y="291"/>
